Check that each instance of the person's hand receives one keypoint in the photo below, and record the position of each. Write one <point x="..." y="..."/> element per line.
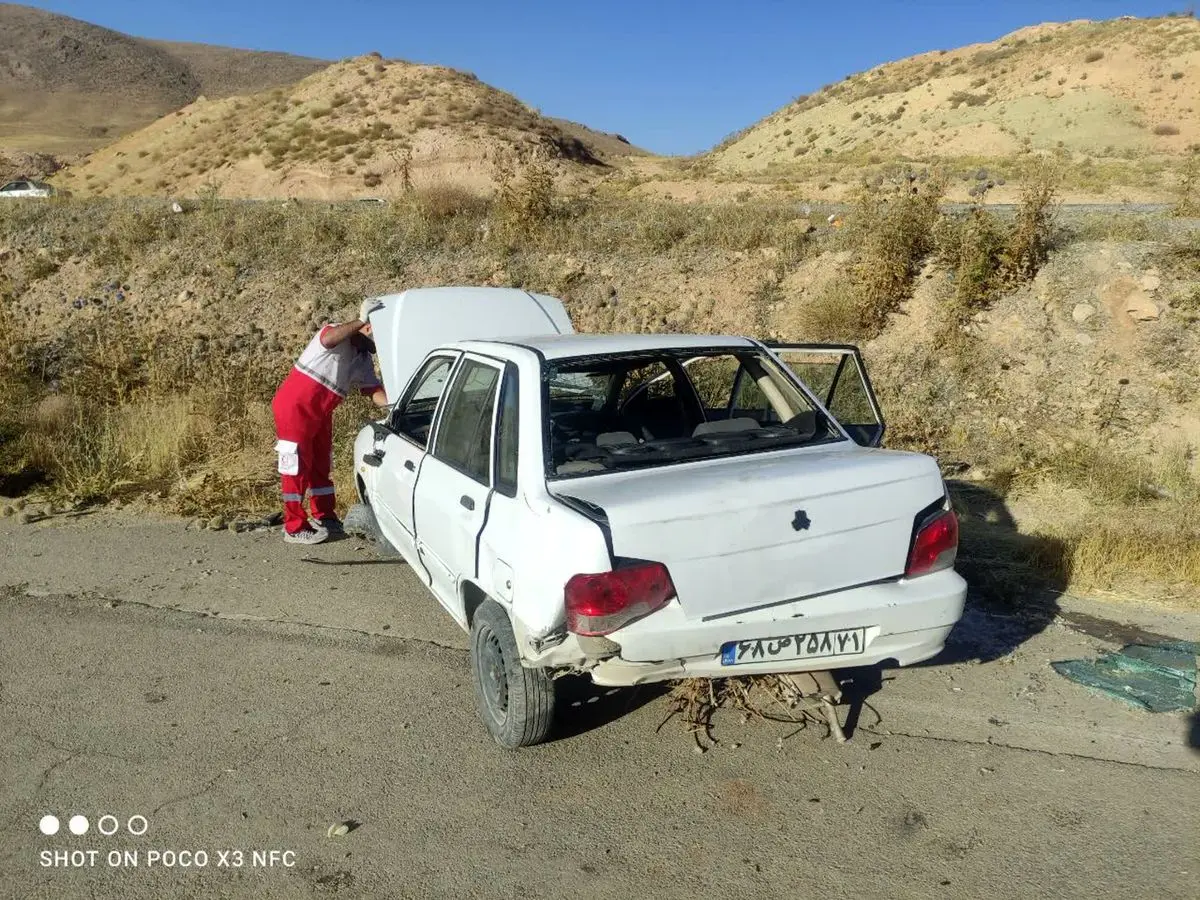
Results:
<point x="370" y="305"/>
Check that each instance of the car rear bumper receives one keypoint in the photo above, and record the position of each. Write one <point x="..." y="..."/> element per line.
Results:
<point x="907" y="621"/>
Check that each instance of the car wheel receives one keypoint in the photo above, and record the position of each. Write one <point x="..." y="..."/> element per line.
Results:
<point x="515" y="703"/>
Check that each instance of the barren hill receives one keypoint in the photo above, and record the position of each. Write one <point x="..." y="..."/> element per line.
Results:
<point x="364" y="126"/>
<point x="68" y="86"/>
<point x="1126" y="88"/>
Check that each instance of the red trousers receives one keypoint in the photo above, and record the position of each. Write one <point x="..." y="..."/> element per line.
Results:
<point x="306" y="468"/>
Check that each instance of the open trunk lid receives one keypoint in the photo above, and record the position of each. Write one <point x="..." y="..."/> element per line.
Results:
<point x="750" y="531"/>
<point x="411" y="324"/>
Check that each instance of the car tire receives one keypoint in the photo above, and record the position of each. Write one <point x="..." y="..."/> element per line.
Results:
<point x="516" y="704"/>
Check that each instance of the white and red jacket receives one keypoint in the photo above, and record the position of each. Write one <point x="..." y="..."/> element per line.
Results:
<point x="324" y="376"/>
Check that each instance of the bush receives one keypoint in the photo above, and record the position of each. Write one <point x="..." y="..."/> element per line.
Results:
<point x="1166" y="129"/>
<point x="1094" y="56"/>
<point x="894" y="223"/>
<point x="987" y="256"/>
<point x="525" y="197"/>
<point x="1028" y="244"/>
<point x="965" y="98"/>
<point x="891" y="224"/>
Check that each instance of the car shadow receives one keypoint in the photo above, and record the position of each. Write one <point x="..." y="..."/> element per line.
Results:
<point x="1014" y="583"/>
<point x="1014" y="579"/>
<point x="581" y="706"/>
<point x="1193" y="735"/>
<point x="21" y="482"/>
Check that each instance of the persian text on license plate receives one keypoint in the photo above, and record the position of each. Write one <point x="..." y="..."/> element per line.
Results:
<point x="813" y="645"/>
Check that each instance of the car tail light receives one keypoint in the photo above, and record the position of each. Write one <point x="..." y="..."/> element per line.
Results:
<point x="935" y="544"/>
<point x="601" y="603"/>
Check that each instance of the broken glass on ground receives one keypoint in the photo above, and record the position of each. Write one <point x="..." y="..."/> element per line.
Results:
<point x="1154" y="677"/>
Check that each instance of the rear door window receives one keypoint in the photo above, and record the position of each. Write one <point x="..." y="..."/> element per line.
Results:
<point x="464" y="433"/>
<point x="727" y="390"/>
<point x="507" y="432"/>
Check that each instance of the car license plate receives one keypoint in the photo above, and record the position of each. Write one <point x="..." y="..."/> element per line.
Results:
<point x="803" y="645"/>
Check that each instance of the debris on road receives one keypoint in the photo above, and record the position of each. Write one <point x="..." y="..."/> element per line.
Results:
<point x="343" y="828"/>
<point x="796" y="699"/>
<point x="1156" y="678"/>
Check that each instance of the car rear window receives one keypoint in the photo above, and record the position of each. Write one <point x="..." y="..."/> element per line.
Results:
<point x="623" y="411"/>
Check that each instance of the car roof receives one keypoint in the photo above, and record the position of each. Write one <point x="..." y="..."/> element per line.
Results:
<point x="565" y="346"/>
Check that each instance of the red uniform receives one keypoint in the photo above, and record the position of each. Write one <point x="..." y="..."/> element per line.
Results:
<point x="303" y="406"/>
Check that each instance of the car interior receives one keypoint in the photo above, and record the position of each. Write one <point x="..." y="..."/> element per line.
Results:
<point x="640" y="412"/>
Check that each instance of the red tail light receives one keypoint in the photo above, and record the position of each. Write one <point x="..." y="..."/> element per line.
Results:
<point x="601" y="603"/>
<point x="935" y="545"/>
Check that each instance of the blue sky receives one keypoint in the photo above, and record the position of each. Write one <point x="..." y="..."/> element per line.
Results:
<point x="672" y="76"/>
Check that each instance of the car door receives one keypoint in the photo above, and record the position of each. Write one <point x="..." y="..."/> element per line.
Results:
<point x="400" y="448"/>
<point x="455" y="480"/>
<point x="836" y="375"/>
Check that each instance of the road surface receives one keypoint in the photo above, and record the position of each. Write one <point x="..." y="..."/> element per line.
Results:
<point x="233" y="701"/>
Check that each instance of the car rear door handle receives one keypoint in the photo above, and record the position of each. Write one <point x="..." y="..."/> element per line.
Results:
<point x="467" y="502"/>
<point x="408" y="464"/>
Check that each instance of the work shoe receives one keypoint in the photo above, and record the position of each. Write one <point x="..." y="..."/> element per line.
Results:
<point x="332" y="524"/>
<point x="307" y="535"/>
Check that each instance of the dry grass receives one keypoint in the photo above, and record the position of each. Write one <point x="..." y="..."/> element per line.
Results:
<point x="1123" y="549"/>
<point x="121" y="404"/>
<point x="118" y="404"/>
<point x="1188" y="202"/>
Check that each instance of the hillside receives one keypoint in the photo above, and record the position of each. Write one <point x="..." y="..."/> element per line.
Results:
<point x="68" y="86"/>
<point x="144" y="346"/>
<point x="1126" y="89"/>
<point x="364" y="126"/>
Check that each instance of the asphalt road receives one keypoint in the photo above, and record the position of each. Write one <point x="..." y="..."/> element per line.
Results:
<point x="243" y="700"/>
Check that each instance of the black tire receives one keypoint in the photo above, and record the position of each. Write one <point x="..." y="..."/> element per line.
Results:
<point x="516" y="704"/>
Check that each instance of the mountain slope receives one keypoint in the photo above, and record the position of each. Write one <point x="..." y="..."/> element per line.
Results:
<point x="1126" y="88"/>
<point x="361" y="126"/>
<point x="68" y="86"/>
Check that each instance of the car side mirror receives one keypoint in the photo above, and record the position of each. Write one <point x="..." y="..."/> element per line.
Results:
<point x="380" y="430"/>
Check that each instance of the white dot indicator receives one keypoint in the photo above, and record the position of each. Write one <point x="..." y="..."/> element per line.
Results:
<point x="78" y="824"/>
<point x="48" y="825"/>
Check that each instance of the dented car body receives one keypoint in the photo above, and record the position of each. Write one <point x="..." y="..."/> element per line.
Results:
<point x="651" y="507"/>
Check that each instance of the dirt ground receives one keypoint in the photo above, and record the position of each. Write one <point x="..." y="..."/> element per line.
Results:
<point x="244" y="694"/>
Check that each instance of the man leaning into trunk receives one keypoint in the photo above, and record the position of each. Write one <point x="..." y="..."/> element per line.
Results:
<point x="336" y="361"/>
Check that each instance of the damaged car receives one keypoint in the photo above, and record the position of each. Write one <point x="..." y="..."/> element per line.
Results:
<point x="644" y="508"/>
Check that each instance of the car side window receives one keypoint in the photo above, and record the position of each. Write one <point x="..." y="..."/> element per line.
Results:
<point x="506" y="435"/>
<point x="750" y="397"/>
<point x="464" y="435"/>
<point x="725" y="387"/>
<point x="713" y="378"/>
<point x="413" y="416"/>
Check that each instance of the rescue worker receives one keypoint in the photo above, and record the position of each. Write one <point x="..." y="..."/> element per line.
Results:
<point x="336" y="361"/>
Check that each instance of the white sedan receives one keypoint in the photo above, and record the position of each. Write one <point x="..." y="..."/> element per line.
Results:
<point x="649" y="507"/>
<point x="23" y="189"/>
